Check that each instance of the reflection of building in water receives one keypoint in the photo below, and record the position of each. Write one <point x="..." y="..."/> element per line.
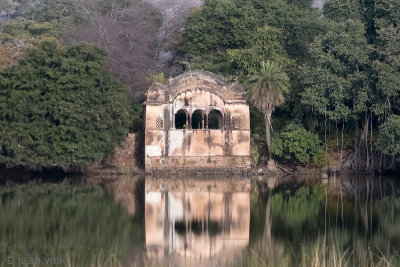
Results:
<point x="196" y="224"/>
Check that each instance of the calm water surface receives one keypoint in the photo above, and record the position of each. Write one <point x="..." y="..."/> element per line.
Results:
<point x="136" y="221"/>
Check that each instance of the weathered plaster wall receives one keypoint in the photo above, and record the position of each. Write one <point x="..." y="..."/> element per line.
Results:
<point x="154" y="142"/>
<point x="209" y="142"/>
<point x="241" y="110"/>
<point x="197" y="98"/>
<point x="152" y="112"/>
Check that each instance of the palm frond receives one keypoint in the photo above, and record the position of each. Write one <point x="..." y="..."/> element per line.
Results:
<point x="268" y="86"/>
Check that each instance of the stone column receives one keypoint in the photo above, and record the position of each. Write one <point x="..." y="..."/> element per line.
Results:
<point x="202" y="119"/>
<point x="190" y="117"/>
<point x="207" y="111"/>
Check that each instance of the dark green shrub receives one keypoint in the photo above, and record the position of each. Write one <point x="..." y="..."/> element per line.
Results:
<point x="295" y="142"/>
<point x="389" y="137"/>
<point x="60" y="108"/>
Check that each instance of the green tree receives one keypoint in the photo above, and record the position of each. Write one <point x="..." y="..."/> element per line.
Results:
<point x="267" y="88"/>
<point x="353" y="78"/>
<point x="298" y="22"/>
<point x="60" y="108"/>
<point x="265" y="45"/>
<point x="220" y="26"/>
<point x="386" y="67"/>
<point x="343" y="10"/>
<point x="336" y="82"/>
<point x="340" y="11"/>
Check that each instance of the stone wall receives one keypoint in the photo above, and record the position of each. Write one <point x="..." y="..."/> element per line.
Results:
<point x="124" y="156"/>
<point x="199" y="166"/>
<point x="198" y="143"/>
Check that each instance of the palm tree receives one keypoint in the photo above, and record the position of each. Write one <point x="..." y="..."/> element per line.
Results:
<point x="267" y="88"/>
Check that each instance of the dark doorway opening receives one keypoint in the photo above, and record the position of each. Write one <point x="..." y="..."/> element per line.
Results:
<point x="181" y="119"/>
<point x="215" y="119"/>
<point x="198" y="119"/>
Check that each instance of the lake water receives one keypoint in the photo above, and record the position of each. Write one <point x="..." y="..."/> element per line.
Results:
<point x="136" y="221"/>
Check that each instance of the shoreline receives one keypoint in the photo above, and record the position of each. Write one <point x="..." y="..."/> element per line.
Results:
<point x="22" y="175"/>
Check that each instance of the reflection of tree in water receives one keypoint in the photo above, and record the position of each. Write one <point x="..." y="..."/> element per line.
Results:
<point x="388" y="209"/>
<point x="315" y="223"/>
<point x="295" y="210"/>
<point x="64" y="220"/>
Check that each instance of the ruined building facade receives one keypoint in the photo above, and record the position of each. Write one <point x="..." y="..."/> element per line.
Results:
<point x="196" y="121"/>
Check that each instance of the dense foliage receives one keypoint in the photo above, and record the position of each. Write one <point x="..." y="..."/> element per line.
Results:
<point x="49" y="137"/>
<point x="295" y="142"/>
<point x="389" y="138"/>
<point x="60" y="108"/>
<point x="343" y="61"/>
<point x="352" y="78"/>
<point x="344" y="66"/>
<point x="219" y="26"/>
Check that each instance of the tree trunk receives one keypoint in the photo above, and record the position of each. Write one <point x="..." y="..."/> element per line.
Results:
<point x="367" y="167"/>
<point x="341" y="147"/>
<point x="268" y="132"/>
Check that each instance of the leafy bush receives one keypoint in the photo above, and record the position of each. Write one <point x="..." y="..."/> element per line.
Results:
<point x="60" y="108"/>
<point x="294" y="141"/>
<point x="321" y="158"/>
<point x="388" y="141"/>
<point x="255" y="155"/>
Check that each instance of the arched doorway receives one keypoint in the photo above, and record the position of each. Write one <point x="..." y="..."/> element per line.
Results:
<point x="198" y="119"/>
<point x="215" y="119"/>
<point x="181" y="119"/>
